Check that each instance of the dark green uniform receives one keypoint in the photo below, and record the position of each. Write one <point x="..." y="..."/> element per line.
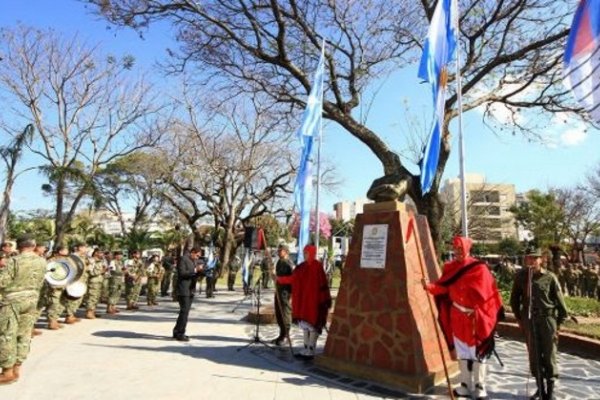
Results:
<point x="540" y="315"/>
<point x="283" y="294"/>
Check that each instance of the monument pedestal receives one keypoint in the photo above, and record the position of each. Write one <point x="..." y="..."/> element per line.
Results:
<point x="382" y="328"/>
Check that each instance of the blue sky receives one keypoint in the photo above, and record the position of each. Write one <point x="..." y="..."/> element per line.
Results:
<point x="565" y="157"/>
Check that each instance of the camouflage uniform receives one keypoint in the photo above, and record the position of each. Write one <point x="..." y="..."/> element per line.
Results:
<point x="234" y="266"/>
<point x="168" y="266"/>
<point x="133" y="282"/>
<point x="590" y="282"/>
<point x="72" y="304"/>
<point x="20" y="284"/>
<point x="94" y="286"/>
<point x="115" y="284"/>
<point x="154" y="272"/>
<point x="571" y="279"/>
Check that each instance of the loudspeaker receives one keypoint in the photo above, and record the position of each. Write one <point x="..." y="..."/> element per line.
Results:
<point x="253" y="238"/>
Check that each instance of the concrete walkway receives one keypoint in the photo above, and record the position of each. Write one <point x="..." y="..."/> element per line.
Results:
<point x="132" y="356"/>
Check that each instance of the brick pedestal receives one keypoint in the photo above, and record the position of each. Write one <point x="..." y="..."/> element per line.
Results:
<point x="382" y="328"/>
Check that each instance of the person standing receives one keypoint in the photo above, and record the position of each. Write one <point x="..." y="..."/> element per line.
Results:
<point x="135" y="273"/>
<point x="168" y="263"/>
<point x="55" y="295"/>
<point x="115" y="282"/>
<point x="234" y="266"/>
<point x="187" y="269"/>
<point x="311" y="299"/>
<point x="154" y="272"/>
<point x="20" y="284"/>
<point x="538" y="305"/>
<point x="469" y="306"/>
<point x="79" y="257"/>
<point x="283" y="291"/>
<point x="96" y="269"/>
<point x="266" y="265"/>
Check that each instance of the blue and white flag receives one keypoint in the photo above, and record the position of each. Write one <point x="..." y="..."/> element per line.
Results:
<point x="211" y="260"/>
<point x="310" y="127"/>
<point x="246" y="265"/>
<point x="582" y="57"/>
<point x="437" y="53"/>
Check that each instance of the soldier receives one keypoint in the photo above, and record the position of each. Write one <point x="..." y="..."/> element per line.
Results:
<point x="80" y="258"/>
<point x="234" y="266"/>
<point x="591" y="281"/>
<point x="7" y="248"/>
<point x="115" y="282"/>
<point x="106" y="261"/>
<point x="168" y="263"/>
<point x="580" y="288"/>
<point x="133" y="280"/>
<point x="154" y="272"/>
<point x="283" y="293"/>
<point x="55" y="296"/>
<point x="96" y="270"/>
<point x="20" y="283"/>
<point x="210" y="273"/>
<point x="562" y="277"/>
<point x="538" y="305"/>
<point x="266" y="266"/>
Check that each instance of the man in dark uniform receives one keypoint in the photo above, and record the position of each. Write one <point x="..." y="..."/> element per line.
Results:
<point x="283" y="292"/>
<point x="538" y="305"/>
<point x="187" y="269"/>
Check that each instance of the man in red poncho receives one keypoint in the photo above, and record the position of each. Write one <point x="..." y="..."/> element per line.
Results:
<point x="310" y="299"/>
<point x="469" y="304"/>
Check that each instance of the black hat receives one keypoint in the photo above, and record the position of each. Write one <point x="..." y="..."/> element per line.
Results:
<point x="283" y="246"/>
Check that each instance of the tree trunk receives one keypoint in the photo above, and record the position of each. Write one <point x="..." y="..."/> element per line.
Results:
<point x="59" y="234"/>
<point x="433" y="208"/>
<point x="5" y="206"/>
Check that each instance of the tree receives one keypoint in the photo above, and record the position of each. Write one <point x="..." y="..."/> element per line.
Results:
<point x="544" y="217"/>
<point x="581" y="209"/>
<point x="324" y="227"/>
<point x="87" y="109"/>
<point x="512" y="53"/>
<point x="133" y="180"/>
<point x="232" y="165"/>
<point x="510" y="247"/>
<point x="11" y="154"/>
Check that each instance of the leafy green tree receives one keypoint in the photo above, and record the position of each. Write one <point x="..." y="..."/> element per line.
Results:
<point x="544" y="217"/>
<point x="510" y="247"/>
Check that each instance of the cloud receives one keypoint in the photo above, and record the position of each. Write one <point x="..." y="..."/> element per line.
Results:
<point x="573" y="137"/>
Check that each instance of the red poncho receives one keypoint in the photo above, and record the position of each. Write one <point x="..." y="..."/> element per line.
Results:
<point x="310" y="292"/>
<point x="467" y="284"/>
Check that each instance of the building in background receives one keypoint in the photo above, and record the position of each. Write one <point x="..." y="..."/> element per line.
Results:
<point x="488" y="208"/>
<point x="347" y="210"/>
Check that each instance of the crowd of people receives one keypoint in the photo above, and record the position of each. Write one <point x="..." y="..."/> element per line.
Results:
<point x="29" y="287"/>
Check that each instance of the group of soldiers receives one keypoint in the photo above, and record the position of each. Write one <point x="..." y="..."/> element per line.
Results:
<point x="26" y="290"/>
<point x="575" y="279"/>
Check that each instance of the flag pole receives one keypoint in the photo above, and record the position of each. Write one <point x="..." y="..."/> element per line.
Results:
<point x="317" y="220"/>
<point x="461" y="145"/>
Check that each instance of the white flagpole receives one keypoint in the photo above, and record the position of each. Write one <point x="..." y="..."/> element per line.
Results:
<point x="461" y="144"/>
<point x="317" y="221"/>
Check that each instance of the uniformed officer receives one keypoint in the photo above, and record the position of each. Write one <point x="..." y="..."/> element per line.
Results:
<point x="154" y="272"/>
<point x="96" y="269"/>
<point x="133" y="282"/>
<point x="283" y="293"/>
<point x="234" y="266"/>
<point x="538" y="305"/>
<point x="20" y="283"/>
<point x="80" y="258"/>
<point x="115" y="282"/>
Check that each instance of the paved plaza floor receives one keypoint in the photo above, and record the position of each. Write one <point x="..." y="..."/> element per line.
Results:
<point x="132" y="356"/>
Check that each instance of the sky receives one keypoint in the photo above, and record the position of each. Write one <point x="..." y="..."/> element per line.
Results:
<point x="568" y="153"/>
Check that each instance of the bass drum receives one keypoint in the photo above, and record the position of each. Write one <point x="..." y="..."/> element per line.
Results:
<point x="76" y="290"/>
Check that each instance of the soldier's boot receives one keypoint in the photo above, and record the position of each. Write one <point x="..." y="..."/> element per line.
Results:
<point x="53" y="325"/>
<point x="129" y="305"/>
<point x="479" y="374"/>
<point x="71" y="319"/>
<point x="35" y="332"/>
<point x="135" y="306"/>
<point x="17" y="370"/>
<point x="7" y="376"/>
<point x="90" y="314"/>
<point x="111" y="309"/>
<point x="466" y="379"/>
